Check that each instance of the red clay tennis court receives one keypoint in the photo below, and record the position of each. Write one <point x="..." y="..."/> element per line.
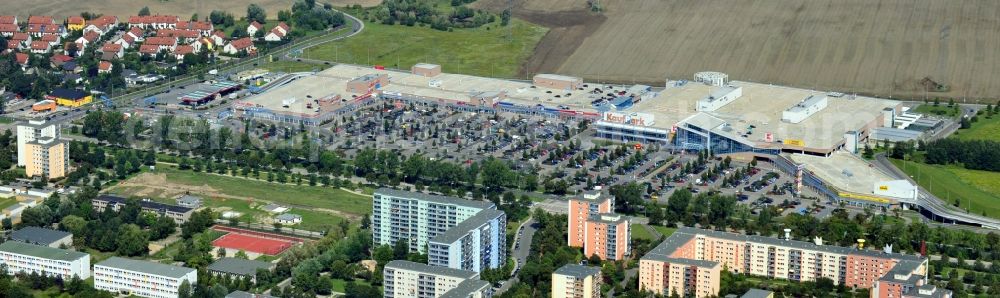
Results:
<point x="253" y="241"/>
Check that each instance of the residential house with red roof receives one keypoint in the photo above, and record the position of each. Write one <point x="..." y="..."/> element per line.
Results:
<point x="102" y="25"/>
<point x="137" y="34"/>
<point x="113" y="48"/>
<point x="86" y="39"/>
<point x="278" y="32"/>
<point x="38" y="30"/>
<point x="183" y="50"/>
<point x="253" y="28"/>
<point x="184" y="35"/>
<point x="219" y="37"/>
<point x="162" y="42"/>
<point x="104" y="67"/>
<point x="40" y="47"/>
<point x="22" y="59"/>
<point x="153" y="22"/>
<point x="13" y="45"/>
<point x="52" y="39"/>
<point x="22" y="38"/>
<point x="75" y="23"/>
<point x="126" y="41"/>
<point x="41" y="20"/>
<point x="6" y="30"/>
<point x="8" y="19"/>
<point x="240" y="45"/>
<point x="203" y="28"/>
<point x="148" y="49"/>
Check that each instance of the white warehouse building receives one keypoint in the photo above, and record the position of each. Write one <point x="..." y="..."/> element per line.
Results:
<point x="719" y="97"/>
<point x="802" y="110"/>
<point x="141" y="278"/>
<point x="27" y="258"/>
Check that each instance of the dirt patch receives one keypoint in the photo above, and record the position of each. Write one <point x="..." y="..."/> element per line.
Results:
<point x="182" y="8"/>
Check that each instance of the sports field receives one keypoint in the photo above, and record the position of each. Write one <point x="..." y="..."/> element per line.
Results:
<point x="880" y="47"/>
<point x="483" y="51"/>
<point x="976" y="190"/>
<point x="261" y="243"/>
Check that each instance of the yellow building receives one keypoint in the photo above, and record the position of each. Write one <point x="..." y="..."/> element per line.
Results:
<point x="75" y="23"/>
<point x="576" y="281"/>
<point x="49" y="157"/>
<point x="70" y="97"/>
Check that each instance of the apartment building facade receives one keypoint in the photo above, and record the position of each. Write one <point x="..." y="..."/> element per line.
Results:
<point x="141" y="278"/>
<point x="30" y="131"/>
<point x="20" y="257"/>
<point x="606" y="236"/>
<point x="417" y="217"/>
<point x="704" y="252"/>
<point x="475" y="244"/>
<point x="415" y="280"/>
<point x="48" y="157"/>
<point x="576" y="281"/>
<point x="580" y="209"/>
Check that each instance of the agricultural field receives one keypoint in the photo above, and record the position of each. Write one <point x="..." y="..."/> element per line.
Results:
<point x="976" y="190"/>
<point x="182" y="8"/>
<point x="483" y="51"/>
<point x="882" y="47"/>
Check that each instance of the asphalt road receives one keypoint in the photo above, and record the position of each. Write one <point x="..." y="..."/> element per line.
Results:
<point x="332" y="35"/>
<point x="520" y="250"/>
<point x="932" y="203"/>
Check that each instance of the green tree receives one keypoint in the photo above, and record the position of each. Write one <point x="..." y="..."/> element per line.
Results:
<point x="144" y="11"/>
<point x="132" y="241"/>
<point x="256" y="13"/>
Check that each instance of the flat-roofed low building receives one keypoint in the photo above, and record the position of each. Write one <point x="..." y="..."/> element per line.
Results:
<point x="238" y="268"/>
<point x="141" y="278"/>
<point x="415" y="280"/>
<point x="177" y="213"/>
<point x="42" y="236"/>
<point x="554" y="81"/>
<point x="368" y="83"/>
<point x="26" y="258"/>
<point x="576" y="281"/>
<point x="426" y="69"/>
<point x="758" y="293"/>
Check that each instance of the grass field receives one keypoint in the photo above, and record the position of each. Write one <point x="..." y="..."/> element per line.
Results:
<point x="7" y="202"/>
<point x="983" y="129"/>
<point x="304" y="195"/>
<point x="976" y="190"/>
<point x="639" y="232"/>
<point x="665" y="230"/>
<point x="481" y="51"/>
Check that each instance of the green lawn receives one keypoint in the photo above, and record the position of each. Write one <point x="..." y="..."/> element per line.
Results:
<point x="640" y="232"/>
<point x="7" y="202"/>
<point x="483" y="51"/>
<point x="303" y="195"/>
<point x="338" y="284"/>
<point x="941" y="110"/>
<point x="665" y="230"/>
<point x="976" y="190"/>
<point x="315" y="220"/>
<point x="983" y="129"/>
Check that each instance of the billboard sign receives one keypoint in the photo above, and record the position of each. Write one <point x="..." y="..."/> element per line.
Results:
<point x="793" y="142"/>
<point x="639" y="119"/>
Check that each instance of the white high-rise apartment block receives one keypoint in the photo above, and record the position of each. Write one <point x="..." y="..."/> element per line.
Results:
<point x="20" y="257"/>
<point x="415" y="280"/>
<point x="30" y="131"/>
<point x="141" y="278"/>
<point x="417" y="217"/>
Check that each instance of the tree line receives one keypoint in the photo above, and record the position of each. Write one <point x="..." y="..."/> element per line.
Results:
<point x="972" y="154"/>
